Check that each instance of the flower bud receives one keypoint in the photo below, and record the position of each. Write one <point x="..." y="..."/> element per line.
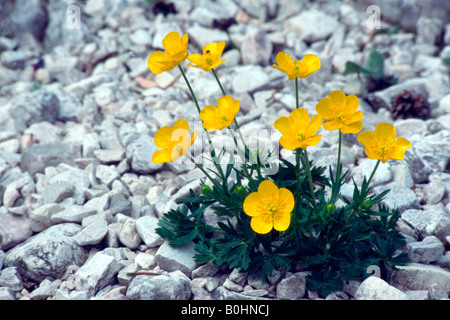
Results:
<point x="331" y="208"/>
<point x="206" y="190"/>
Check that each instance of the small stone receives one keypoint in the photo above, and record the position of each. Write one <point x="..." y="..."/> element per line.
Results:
<point x="74" y="213"/>
<point x="41" y="218"/>
<point x="146" y="226"/>
<point x="58" y="191"/>
<point x="10" y="196"/>
<point x="171" y="286"/>
<point x="145" y="261"/>
<point x="45" y="290"/>
<point x="430" y="222"/>
<point x="10" y="278"/>
<point x="97" y="273"/>
<point x="109" y="156"/>
<point x="249" y="78"/>
<point x="206" y="270"/>
<point x="232" y="286"/>
<point x="292" y="287"/>
<point x="256" y="48"/>
<point x="398" y="197"/>
<point x="176" y="258"/>
<point x="434" y="191"/>
<point x="93" y="233"/>
<point x="128" y="234"/>
<point x="374" y="288"/>
<point x="428" y="250"/>
<point x="107" y="174"/>
<point x="418" y="276"/>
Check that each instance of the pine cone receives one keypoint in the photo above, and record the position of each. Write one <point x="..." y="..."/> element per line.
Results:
<point x="409" y="104"/>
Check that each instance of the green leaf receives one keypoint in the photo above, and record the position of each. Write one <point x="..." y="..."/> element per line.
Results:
<point x="352" y="67"/>
<point x="375" y="64"/>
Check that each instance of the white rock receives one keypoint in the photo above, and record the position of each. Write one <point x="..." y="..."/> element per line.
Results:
<point x="249" y="78"/>
<point x="171" y="286"/>
<point x="128" y="234"/>
<point x="428" y="222"/>
<point x="292" y="287"/>
<point x="93" y="233"/>
<point x="428" y="250"/>
<point x="421" y="276"/>
<point x="305" y="24"/>
<point x="176" y="258"/>
<point x="146" y="226"/>
<point x="374" y="288"/>
<point x="398" y="197"/>
<point x="97" y="273"/>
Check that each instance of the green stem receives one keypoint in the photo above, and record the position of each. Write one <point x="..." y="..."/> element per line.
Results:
<point x="296" y="93"/>
<point x="190" y="88"/>
<point x="363" y="191"/>
<point x="247" y="174"/>
<point x="338" y="167"/>
<point x="218" y="81"/>
<point x="213" y="152"/>
<point x="297" y="162"/>
<point x="373" y="172"/>
<point x="311" y="186"/>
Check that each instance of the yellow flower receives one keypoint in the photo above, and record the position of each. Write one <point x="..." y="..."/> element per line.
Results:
<point x="175" y="52"/>
<point x="297" y="130"/>
<point x="210" y="57"/>
<point x="339" y="112"/>
<point x="269" y="207"/>
<point x="296" y="68"/>
<point x="174" y="141"/>
<point x="382" y="143"/>
<point x="221" y="117"/>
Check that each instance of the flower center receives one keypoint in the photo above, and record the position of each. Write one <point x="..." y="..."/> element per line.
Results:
<point x="271" y="208"/>
<point x="178" y="148"/>
<point x="339" y="117"/>
<point x="300" y="136"/>
<point x="208" y="61"/>
<point x="224" y="119"/>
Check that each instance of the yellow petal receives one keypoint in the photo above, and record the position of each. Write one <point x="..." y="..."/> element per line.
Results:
<point x="228" y="106"/>
<point x="284" y="125"/>
<point x="365" y="138"/>
<point x="282" y="222"/>
<point x="353" y="127"/>
<point x="289" y="143"/>
<point x="163" y="138"/>
<point x="338" y="100"/>
<point x="162" y="156"/>
<point x="210" y="117"/>
<point x="312" y="141"/>
<point x="268" y="191"/>
<point x="252" y="205"/>
<point x="196" y="59"/>
<point x="399" y="148"/>
<point x="385" y="131"/>
<point x="314" y="125"/>
<point x="326" y="109"/>
<point x="285" y="61"/>
<point x="309" y="64"/>
<point x="262" y="224"/>
<point x="181" y="124"/>
<point x="352" y="103"/>
<point x="300" y="119"/>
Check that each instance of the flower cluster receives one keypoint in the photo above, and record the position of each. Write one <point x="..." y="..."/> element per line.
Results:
<point x="294" y="214"/>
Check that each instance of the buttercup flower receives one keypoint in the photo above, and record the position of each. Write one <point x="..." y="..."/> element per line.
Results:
<point x="175" y="52"/>
<point x="269" y="207"/>
<point x="339" y="112"/>
<point x="296" y="68"/>
<point x="382" y="143"/>
<point x="174" y="141"/>
<point x="297" y="130"/>
<point x="210" y="57"/>
<point x="217" y="118"/>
